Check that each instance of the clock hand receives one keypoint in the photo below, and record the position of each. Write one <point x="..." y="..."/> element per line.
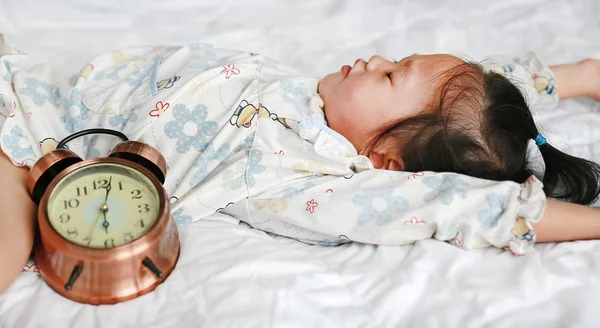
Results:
<point x="95" y="224"/>
<point x="108" y="187"/>
<point x="104" y="209"/>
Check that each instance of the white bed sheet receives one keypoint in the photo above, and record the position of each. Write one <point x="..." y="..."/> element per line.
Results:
<point x="232" y="276"/>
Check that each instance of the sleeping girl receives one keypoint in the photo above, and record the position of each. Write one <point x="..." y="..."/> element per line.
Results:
<point x="380" y="152"/>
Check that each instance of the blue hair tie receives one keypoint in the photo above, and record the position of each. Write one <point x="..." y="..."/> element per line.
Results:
<point x="540" y="140"/>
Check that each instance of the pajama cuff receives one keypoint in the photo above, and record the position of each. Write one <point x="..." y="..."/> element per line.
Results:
<point x="532" y="203"/>
<point x="530" y="74"/>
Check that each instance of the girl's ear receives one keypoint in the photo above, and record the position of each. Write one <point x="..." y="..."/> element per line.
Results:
<point x="386" y="162"/>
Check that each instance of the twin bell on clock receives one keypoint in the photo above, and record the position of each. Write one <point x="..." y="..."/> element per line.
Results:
<point x="105" y="234"/>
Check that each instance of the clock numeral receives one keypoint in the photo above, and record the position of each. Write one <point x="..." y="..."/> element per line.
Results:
<point x="64" y="218"/>
<point x="87" y="240"/>
<point x="136" y="194"/>
<point x="72" y="232"/>
<point x="140" y="223"/>
<point x="102" y="183"/>
<point x="72" y="203"/>
<point x="109" y="243"/>
<point x="128" y="236"/>
<point x="143" y="208"/>
<point x="79" y="191"/>
<point x="120" y="186"/>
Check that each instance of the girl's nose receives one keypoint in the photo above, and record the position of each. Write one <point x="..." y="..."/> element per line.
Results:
<point x="378" y="62"/>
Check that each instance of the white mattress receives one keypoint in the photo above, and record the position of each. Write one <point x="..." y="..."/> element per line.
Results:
<point x="232" y="276"/>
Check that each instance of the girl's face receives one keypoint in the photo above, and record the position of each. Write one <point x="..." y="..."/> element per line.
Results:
<point x="362" y="98"/>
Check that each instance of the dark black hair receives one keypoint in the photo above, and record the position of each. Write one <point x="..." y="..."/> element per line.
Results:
<point x="480" y="125"/>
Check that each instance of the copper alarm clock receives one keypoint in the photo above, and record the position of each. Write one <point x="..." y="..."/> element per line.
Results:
<point x="105" y="234"/>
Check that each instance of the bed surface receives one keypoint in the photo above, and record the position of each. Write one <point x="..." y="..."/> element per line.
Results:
<point x="232" y="276"/>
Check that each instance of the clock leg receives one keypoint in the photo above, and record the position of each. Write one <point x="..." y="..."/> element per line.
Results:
<point x="152" y="267"/>
<point x="74" y="275"/>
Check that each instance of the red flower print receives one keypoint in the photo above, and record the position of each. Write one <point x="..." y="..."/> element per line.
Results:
<point x="310" y="206"/>
<point x="31" y="268"/>
<point x="416" y="175"/>
<point x="159" y="109"/>
<point x="329" y="191"/>
<point x="513" y="253"/>
<point x="457" y="242"/>
<point x="414" y="220"/>
<point x="230" y="70"/>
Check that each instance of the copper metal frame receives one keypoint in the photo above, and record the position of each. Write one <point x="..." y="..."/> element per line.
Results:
<point x="145" y="151"/>
<point x="109" y="275"/>
<point x="46" y="162"/>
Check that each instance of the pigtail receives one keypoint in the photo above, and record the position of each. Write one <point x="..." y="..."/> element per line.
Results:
<point x="570" y="178"/>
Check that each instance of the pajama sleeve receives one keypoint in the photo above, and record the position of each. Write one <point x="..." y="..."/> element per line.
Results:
<point x="532" y="76"/>
<point x="7" y="98"/>
<point x="395" y="208"/>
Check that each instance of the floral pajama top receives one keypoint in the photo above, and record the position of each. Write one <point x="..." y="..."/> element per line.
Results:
<point x="245" y="135"/>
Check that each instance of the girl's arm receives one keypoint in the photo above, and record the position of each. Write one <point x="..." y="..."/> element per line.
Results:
<point x="17" y="221"/>
<point x="581" y="79"/>
<point x="564" y="221"/>
<point x="395" y="208"/>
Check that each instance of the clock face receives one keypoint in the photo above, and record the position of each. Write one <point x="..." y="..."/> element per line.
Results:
<point x="103" y="205"/>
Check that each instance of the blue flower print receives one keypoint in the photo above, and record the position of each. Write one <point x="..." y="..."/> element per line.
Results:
<point x="489" y="216"/>
<point x="190" y="128"/>
<point x="379" y="206"/>
<point x="290" y="192"/>
<point x="203" y="163"/>
<point x="207" y="60"/>
<point x="296" y="94"/>
<point x="111" y="73"/>
<point x="306" y="128"/>
<point x="9" y="67"/>
<point x="136" y="78"/>
<point x="17" y="144"/>
<point x="234" y="179"/>
<point x="76" y="112"/>
<point x="90" y="143"/>
<point x="121" y="121"/>
<point x="246" y="144"/>
<point x="52" y="94"/>
<point x="180" y="218"/>
<point x="445" y="186"/>
<point x="239" y="176"/>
